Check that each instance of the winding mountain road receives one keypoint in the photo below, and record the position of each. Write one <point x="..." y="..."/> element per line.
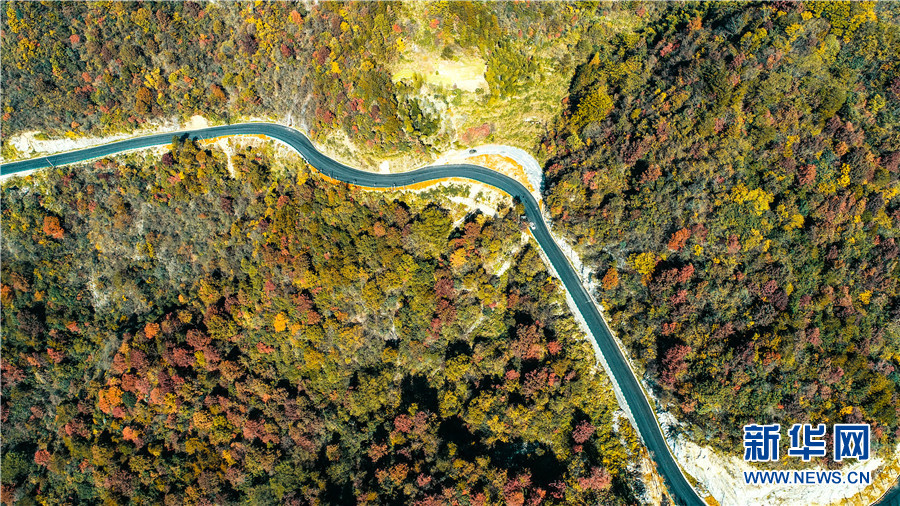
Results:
<point x="618" y="366"/>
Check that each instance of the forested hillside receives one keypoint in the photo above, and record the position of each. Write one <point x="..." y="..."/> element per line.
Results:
<point x="94" y="67"/>
<point x="89" y="68"/>
<point x="173" y="334"/>
<point x="731" y="171"/>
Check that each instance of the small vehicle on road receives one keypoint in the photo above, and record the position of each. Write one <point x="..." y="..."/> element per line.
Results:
<point x="524" y="218"/>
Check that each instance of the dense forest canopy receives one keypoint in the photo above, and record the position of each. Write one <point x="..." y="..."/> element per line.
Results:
<point x="88" y="66"/>
<point x="175" y="334"/>
<point x="731" y="171"/>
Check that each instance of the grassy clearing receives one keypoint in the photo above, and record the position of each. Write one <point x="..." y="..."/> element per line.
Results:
<point x="465" y="73"/>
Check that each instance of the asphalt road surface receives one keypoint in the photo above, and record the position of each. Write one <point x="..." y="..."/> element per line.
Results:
<point x="638" y="404"/>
